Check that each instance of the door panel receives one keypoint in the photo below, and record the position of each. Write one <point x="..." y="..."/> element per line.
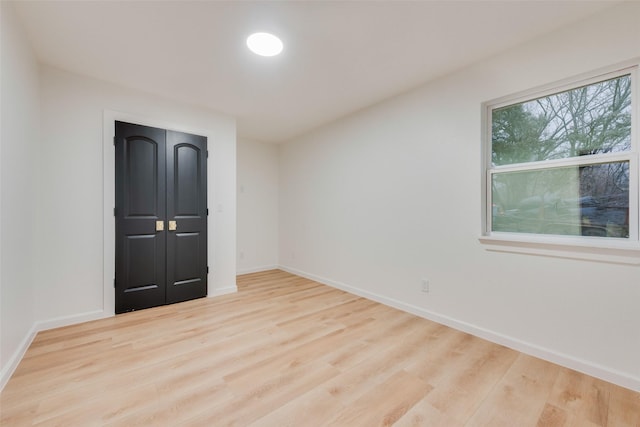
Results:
<point x="187" y="205"/>
<point x="187" y="182"/>
<point x="140" y="255"/>
<point x="141" y="176"/>
<point x="140" y="182"/>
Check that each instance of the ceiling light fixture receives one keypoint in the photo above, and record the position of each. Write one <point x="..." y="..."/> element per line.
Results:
<point x="264" y="44"/>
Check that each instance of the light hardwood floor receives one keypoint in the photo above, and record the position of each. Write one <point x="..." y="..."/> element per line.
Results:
<point x="286" y="351"/>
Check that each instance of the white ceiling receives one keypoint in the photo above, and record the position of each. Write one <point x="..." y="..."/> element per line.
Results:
<point x="339" y="57"/>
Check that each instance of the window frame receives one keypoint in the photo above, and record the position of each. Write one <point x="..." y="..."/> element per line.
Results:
<point x="609" y="249"/>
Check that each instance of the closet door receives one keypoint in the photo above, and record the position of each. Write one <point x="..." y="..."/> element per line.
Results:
<point x="161" y="217"/>
<point x="140" y="213"/>
<point x="187" y="216"/>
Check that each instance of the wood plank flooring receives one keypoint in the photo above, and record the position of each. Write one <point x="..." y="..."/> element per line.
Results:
<point x="286" y="351"/>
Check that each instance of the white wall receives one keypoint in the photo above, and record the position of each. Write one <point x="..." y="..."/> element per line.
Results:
<point x="71" y="245"/>
<point x="257" y="206"/>
<point x="377" y="201"/>
<point x="18" y="182"/>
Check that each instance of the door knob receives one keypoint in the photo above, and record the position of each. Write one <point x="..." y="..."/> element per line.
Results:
<point x="159" y="225"/>
<point x="173" y="225"/>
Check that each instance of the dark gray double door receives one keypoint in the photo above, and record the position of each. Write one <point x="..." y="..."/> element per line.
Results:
<point x="161" y="217"/>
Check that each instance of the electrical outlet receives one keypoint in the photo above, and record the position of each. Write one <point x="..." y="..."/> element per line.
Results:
<point x="424" y="283"/>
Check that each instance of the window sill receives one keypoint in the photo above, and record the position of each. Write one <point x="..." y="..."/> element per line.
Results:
<point x="609" y="251"/>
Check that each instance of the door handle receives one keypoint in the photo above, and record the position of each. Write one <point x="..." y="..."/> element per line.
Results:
<point x="173" y="225"/>
<point x="159" y="225"/>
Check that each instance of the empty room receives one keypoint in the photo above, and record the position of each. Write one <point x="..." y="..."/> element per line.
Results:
<point x="320" y="213"/>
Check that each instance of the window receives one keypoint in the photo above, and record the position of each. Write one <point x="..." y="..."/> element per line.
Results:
<point x="561" y="164"/>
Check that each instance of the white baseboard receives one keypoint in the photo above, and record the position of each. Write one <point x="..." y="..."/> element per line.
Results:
<point x="622" y="379"/>
<point x="13" y="362"/>
<point x="256" y="269"/>
<point x="222" y="291"/>
<point x="59" y="322"/>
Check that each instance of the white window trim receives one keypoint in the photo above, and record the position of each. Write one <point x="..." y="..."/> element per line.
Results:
<point x="560" y="247"/>
<point x="602" y="249"/>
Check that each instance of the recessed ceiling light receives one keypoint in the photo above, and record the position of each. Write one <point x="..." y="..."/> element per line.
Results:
<point x="264" y="44"/>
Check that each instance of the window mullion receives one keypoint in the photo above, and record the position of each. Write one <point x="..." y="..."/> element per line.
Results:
<point x="573" y="161"/>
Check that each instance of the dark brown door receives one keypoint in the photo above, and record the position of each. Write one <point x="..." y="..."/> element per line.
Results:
<point x="161" y="217"/>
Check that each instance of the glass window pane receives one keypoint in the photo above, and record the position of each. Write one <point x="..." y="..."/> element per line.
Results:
<point x="591" y="119"/>
<point x="590" y="200"/>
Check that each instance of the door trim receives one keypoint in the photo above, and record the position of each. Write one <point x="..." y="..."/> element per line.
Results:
<point x="108" y="171"/>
